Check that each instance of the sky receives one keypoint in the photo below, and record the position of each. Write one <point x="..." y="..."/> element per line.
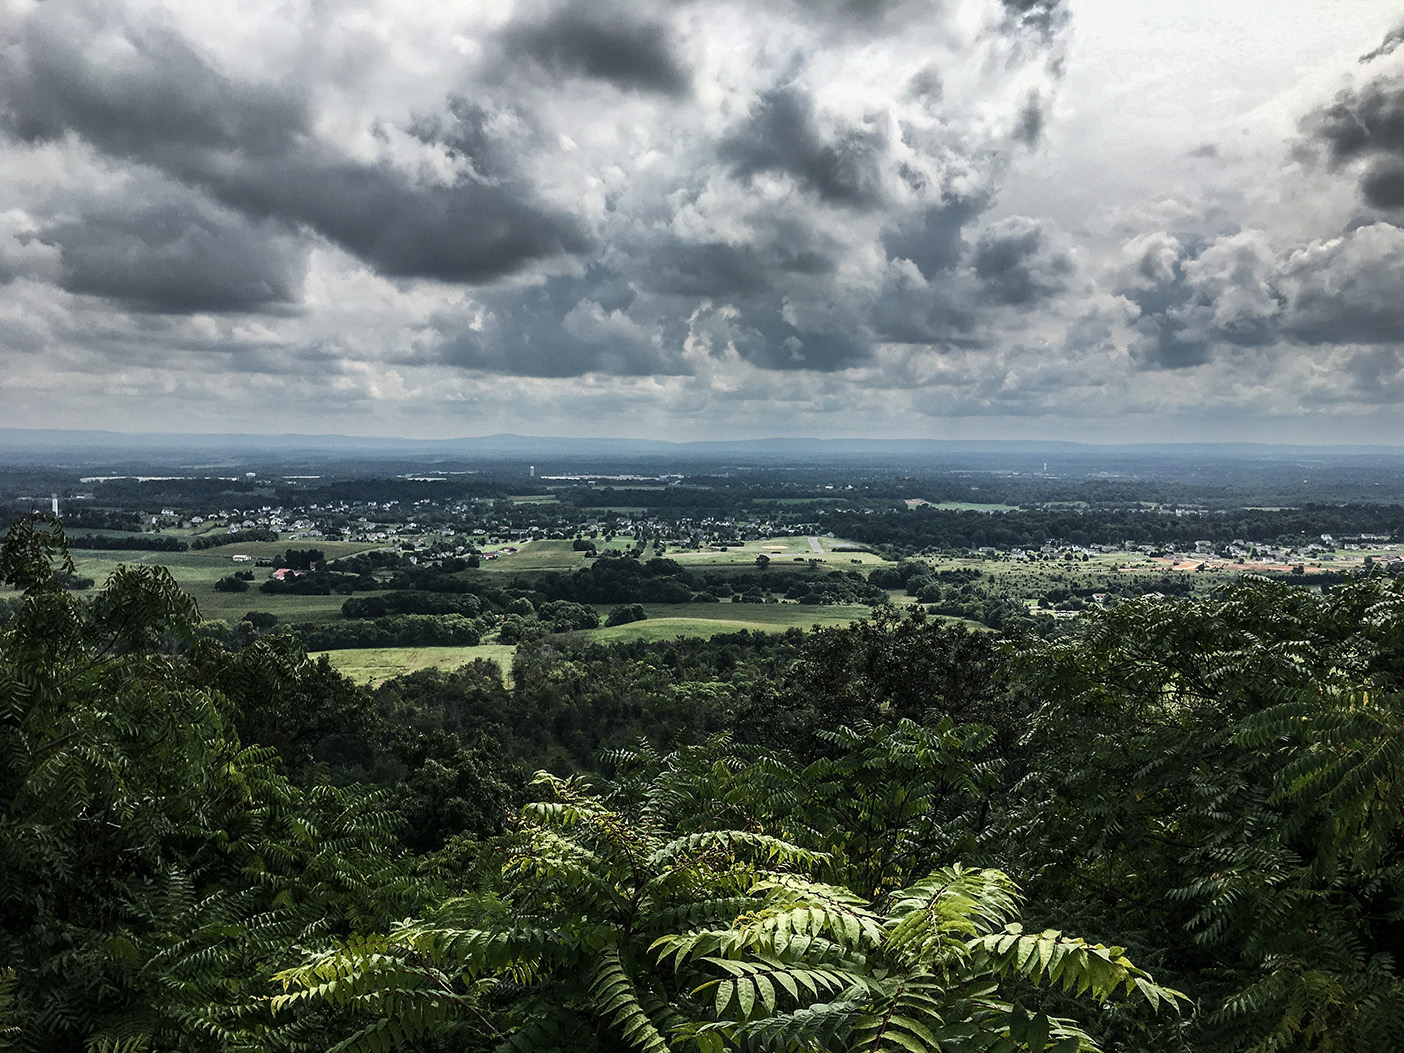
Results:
<point x="1086" y="220"/>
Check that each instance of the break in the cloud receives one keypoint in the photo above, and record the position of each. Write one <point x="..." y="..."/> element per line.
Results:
<point x="683" y="219"/>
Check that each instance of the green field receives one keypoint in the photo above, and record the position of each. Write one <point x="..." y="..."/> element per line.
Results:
<point x="197" y="571"/>
<point x="559" y="555"/>
<point x="534" y="556"/>
<point x="668" y="621"/>
<point x="781" y="550"/>
<point x="972" y="506"/>
<point x="374" y="665"/>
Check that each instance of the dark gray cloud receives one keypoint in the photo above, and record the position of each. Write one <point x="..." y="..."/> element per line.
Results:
<point x="924" y="315"/>
<point x="597" y="323"/>
<point x="1364" y="127"/>
<point x="465" y="232"/>
<point x="161" y="248"/>
<point x="563" y="327"/>
<point x="712" y="269"/>
<point x="155" y="97"/>
<point x="1363" y="376"/>
<point x="1165" y="343"/>
<point x="782" y="134"/>
<point x="764" y="338"/>
<point x="725" y="272"/>
<point x="926" y="87"/>
<point x="1346" y="290"/>
<point x="252" y="147"/>
<point x="1198" y="301"/>
<point x="1029" y="127"/>
<point x="1016" y="264"/>
<point x="1392" y="40"/>
<point x="1383" y="184"/>
<point x="1365" y="121"/>
<point x="462" y="130"/>
<point x="603" y="42"/>
<point x="1193" y="300"/>
<point x="762" y="218"/>
<point x="934" y="238"/>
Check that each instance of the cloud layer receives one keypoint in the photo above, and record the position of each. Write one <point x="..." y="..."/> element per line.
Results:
<point x="640" y="215"/>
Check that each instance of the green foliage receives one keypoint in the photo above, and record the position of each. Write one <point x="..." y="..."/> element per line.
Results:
<point x="397" y="630"/>
<point x="153" y="866"/>
<point x="624" y="614"/>
<point x="715" y="939"/>
<point x="237" y="537"/>
<point x="1224" y="776"/>
<point x="1213" y="784"/>
<point x="895" y="665"/>
<point x="885" y="806"/>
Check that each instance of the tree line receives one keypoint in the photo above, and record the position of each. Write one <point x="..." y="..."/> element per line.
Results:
<point x="927" y="528"/>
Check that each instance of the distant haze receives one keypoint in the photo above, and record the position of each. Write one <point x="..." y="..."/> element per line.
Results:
<point x="96" y="453"/>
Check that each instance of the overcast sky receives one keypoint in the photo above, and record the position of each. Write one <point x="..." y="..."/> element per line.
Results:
<point x="1096" y="220"/>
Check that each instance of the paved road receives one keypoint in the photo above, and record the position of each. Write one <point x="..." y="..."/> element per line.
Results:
<point x="814" y="544"/>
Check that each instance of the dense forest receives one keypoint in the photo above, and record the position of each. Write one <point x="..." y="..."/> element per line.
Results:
<point x="1176" y="826"/>
<point x="926" y="528"/>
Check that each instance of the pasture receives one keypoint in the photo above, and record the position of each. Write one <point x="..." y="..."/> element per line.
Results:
<point x="668" y="621"/>
<point x="780" y="550"/>
<point x="533" y="556"/>
<point x="196" y="572"/>
<point x="371" y="666"/>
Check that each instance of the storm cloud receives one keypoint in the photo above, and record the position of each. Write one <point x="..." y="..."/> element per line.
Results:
<point x="1016" y="263"/>
<point x="805" y="169"/>
<point x="1364" y="129"/>
<point x="782" y="135"/>
<point x="599" y="41"/>
<point x="855" y="211"/>
<point x="1196" y="302"/>
<point x="157" y="247"/>
<point x="140" y="93"/>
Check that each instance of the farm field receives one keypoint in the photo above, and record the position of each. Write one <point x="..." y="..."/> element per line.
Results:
<point x="373" y="665"/>
<point x="555" y="555"/>
<point x="533" y="556"/>
<point x="198" y="570"/>
<point x="1017" y="581"/>
<point x="668" y="621"/>
<point x="781" y="550"/>
<point x="370" y="666"/>
<point x="973" y="506"/>
<point x="559" y="555"/>
<point x="959" y="506"/>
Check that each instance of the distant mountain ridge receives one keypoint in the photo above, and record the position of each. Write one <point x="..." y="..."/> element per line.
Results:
<point x="53" y="439"/>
